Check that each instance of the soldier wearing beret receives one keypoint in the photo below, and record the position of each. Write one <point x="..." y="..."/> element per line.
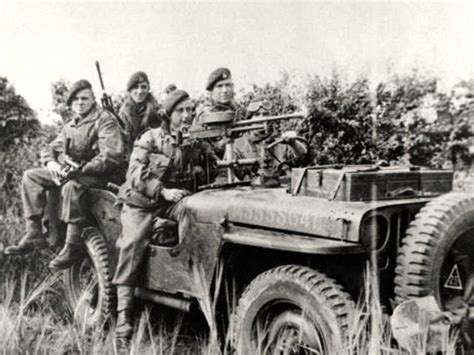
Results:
<point x="221" y="95"/>
<point x="92" y="139"/>
<point x="161" y="173"/>
<point x="139" y="111"/>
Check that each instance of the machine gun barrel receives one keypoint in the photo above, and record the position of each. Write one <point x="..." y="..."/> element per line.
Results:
<point x="237" y="162"/>
<point x="267" y="119"/>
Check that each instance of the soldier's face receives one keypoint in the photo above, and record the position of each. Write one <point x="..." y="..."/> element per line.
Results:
<point x="182" y="115"/>
<point x="140" y="92"/>
<point x="223" y="91"/>
<point x="83" y="102"/>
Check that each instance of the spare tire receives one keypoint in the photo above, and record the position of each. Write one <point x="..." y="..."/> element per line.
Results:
<point x="437" y="255"/>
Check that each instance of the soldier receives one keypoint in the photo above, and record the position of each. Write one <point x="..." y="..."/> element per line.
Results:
<point x="221" y="95"/>
<point x="92" y="139"/>
<point x="139" y="111"/>
<point x="159" y="176"/>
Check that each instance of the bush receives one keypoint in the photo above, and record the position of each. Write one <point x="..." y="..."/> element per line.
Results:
<point x="17" y="119"/>
<point x="405" y="120"/>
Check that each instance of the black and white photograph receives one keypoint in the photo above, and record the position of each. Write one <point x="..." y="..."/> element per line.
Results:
<point x="237" y="177"/>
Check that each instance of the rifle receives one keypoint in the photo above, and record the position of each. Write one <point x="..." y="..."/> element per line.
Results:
<point x="106" y="100"/>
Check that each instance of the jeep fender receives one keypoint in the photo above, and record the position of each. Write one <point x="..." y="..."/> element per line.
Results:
<point x="289" y="242"/>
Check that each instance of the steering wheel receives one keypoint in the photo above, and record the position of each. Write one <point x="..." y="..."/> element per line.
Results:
<point x="284" y="165"/>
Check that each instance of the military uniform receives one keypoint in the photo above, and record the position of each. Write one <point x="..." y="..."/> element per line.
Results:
<point x="209" y="105"/>
<point x="94" y="141"/>
<point x="157" y="162"/>
<point x="137" y="118"/>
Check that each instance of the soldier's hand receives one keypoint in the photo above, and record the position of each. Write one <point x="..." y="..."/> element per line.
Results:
<point x="173" y="195"/>
<point x="72" y="173"/>
<point x="56" y="171"/>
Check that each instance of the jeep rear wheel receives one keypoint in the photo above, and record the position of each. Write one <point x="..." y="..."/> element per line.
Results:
<point x="437" y="254"/>
<point x="89" y="283"/>
<point x="292" y="310"/>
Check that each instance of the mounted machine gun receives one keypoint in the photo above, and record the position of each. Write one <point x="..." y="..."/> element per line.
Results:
<point x="221" y="127"/>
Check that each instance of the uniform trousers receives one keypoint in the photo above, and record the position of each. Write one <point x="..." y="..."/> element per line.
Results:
<point x="137" y="232"/>
<point x="36" y="182"/>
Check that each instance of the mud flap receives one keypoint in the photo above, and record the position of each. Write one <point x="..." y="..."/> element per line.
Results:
<point x="419" y="323"/>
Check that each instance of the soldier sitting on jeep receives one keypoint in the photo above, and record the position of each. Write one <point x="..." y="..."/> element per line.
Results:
<point x="92" y="143"/>
<point x="161" y="173"/>
<point x="139" y="110"/>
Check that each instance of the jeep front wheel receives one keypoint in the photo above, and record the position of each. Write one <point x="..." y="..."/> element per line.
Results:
<point x="292" y="310"/>
<point x="89" y="283"/>
<point x="437" y="254"/>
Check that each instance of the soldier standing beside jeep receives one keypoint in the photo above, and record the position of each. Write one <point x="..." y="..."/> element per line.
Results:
<point x="139" y="111"/>
<point x="160" y="174"/>
<point x="92" y="140"/>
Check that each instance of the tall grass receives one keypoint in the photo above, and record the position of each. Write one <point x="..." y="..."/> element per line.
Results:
<point x="29" y="323"/>
<point x="370" y="332"/>
<point x="35" y="319"/>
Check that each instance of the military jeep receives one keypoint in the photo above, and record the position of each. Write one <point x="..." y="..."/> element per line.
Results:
<point x="296" y="254"/>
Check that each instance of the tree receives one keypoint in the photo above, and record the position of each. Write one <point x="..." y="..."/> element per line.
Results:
<point x="17" y="119"/>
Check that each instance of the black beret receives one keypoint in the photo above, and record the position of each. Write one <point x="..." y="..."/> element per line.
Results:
<point x="75" y="88"/>
<point x="217" y="75"/>
<point x="173" y="99"/>
<point x="138" y="77"/>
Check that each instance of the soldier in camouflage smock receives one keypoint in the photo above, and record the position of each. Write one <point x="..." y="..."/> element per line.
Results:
<point x="161" y="173"/>
<point x="92" y="139"/>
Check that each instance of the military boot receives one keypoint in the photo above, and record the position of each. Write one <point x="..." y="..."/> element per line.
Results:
<point x="73" y="250"/>
<point x="124" y="325"/>
<point x="69" y="255"/>
<point x="33" y="239"/>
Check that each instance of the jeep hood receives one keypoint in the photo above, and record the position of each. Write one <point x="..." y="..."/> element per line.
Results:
<point x="276" y="209"/>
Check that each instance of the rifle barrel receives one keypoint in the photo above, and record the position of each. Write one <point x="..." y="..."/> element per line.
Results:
<point x="268" y="119"/>
<point x="97" y="65"/>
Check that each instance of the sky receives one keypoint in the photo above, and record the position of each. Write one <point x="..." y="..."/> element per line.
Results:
<point x="182" y="42"/>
